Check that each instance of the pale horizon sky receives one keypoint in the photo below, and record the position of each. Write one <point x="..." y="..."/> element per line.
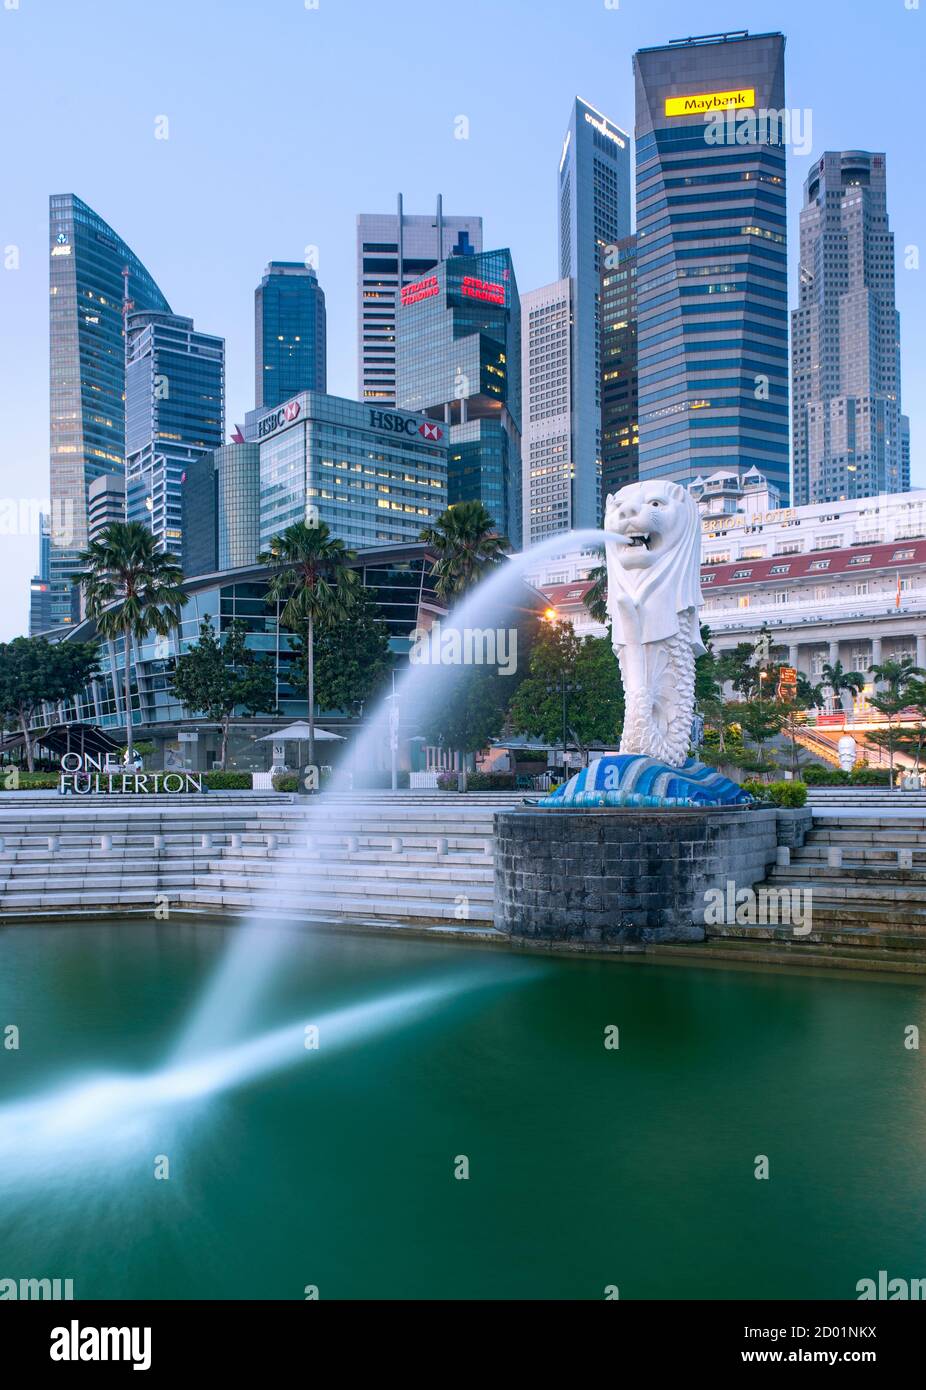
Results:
<point x="285" y="122"/>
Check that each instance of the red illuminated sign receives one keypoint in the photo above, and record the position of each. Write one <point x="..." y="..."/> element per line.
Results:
<point x="290" y="410"/>
<point x="421" y="289"/>
<point x="488" y="290"/>
<point x="430" y="431"/>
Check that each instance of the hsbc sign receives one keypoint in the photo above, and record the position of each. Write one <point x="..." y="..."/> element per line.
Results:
<point x="284" y="416"/>
<point x="403" y="424"/>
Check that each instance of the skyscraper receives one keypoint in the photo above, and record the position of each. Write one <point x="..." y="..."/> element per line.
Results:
<point x="594" y="213"/>
<point x="174" y="414"/>
<point x="40" y="588"/>
<point x="547" y="464"/>
<point x="619" y="411"/>
<point x="850" y="438"/>
<point x="458" y="361"/>
<point x="105" y="503"/>
<point x="290" y="334"/>
<point x="712" y="327"/>
<point x="87" y="374"/>
<point x="394" y="249"/>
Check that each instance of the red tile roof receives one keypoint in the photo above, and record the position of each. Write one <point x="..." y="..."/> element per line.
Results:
<point x="811" y="564"/>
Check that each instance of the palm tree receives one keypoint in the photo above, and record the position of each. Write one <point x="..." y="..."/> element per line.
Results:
<point x="896" y="677"/>
<point x="466" y="545"/>
<point x="839" y="680"/>
<point x="596" y="598"/>
<point x="311" y="577"/>
<point x="132" y="589"/>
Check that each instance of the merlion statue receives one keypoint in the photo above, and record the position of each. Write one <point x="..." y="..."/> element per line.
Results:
<point x="654" y="594"/>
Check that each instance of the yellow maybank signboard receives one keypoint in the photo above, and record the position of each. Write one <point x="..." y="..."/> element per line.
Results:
<point x="701" y="102"/>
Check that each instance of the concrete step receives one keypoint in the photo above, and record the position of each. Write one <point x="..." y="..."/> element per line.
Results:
<point x="831" y="935"/>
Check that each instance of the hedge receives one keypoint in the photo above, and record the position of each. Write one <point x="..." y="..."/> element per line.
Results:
<point x="478" y="781"/>
<point x="816" y="776"/>
<point x="783" y="794"/>
<point x="228" y="781"/>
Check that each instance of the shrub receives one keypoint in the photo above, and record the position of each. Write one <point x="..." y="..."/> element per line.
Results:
<point x="447" y="781"/>
<point x="788" y="794"/>
<point x="285" y="781"/>
<point x="757" y="789"/>
<point x="28" y="781"/>
<point x="228" y="781"/>
<point x="871" y="777"/>
<point x="491" y="781"/>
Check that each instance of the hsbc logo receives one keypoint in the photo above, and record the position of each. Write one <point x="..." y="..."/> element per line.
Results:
<point x="401" y="424"/>
<point x="284" y="416"/>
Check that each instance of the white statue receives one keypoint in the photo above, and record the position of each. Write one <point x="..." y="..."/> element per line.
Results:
<point x="847" y="752"/>
<point x="654" y="594"/>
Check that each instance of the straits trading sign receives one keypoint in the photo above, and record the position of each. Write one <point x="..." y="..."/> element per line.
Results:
<point x="703" y="103"/>
<point x="82" y="774"/>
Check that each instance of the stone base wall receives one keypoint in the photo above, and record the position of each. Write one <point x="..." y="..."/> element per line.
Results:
<point x="623" y="875"/>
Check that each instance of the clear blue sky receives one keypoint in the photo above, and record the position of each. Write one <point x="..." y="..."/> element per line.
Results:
<point x="285" y="122"/>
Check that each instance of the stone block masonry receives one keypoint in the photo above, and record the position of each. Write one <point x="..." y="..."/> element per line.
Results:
<point x="623" y="875"/>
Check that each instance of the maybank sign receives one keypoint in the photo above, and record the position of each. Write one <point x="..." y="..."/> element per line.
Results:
<point x="700" y="103"/>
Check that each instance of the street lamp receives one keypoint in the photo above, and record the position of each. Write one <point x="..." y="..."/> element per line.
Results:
<point x="564" y="688"/>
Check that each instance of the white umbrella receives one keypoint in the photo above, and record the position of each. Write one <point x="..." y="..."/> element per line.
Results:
<point x="298" y="733"/>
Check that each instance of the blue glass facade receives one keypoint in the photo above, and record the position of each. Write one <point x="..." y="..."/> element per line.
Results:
<point x="174" y="416"/>
<point x="458" y="361"/>
<point x="374" y="476"/>
<point x="87" y="373"/>
<point x="290" y="334"/>
<point x="712" y="334"/>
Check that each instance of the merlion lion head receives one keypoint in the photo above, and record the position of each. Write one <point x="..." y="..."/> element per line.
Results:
<point x="658" y="575"/>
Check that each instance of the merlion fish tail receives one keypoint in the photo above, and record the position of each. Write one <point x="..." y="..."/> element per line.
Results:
<point x="658" y="679"/>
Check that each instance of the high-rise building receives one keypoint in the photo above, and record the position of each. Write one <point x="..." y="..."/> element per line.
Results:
<point x="850" y="438"/>
<point x="394" y="249"/>
<point x="199" y="516"/>
<point x="458" y="361"/>
<point x="87" y="373"/>
<point x="174" y="413"/>
<point x="40" y="618"/>
<point x="290" y="334"/>
<point x="547" y="465"/>
<point x="712" y="284"/>
<point x="594" y="214"/>
<point x="105" y="503"/>
<point x="372" y="476"/>
<point x="619" y="413"/>
<point x="237" y="469"/>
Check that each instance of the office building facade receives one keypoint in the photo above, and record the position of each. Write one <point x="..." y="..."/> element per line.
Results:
<point x="619" y="411"/>
<point x="105" y="504"/>
<point x="40" y="585"/>
<point x="593" y="214"/>
<point x="175" y="414"/>
<point x="547" y="464"/>
<point x="90" y="268"/>
<point x="850" y="437"/>
<point x="290" y="334"/>
<point x="373" y="476"/>
<point x="458" y="361"/>
<point x="712" y="292"/>
<point x="395" y="249"/>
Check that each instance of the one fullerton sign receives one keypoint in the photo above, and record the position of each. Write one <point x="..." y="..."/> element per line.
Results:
<point x="83" y="774"/>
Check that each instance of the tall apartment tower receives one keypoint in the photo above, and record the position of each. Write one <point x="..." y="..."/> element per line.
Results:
<point x="712" y="282"/>
<point x="594" y="214"/>
<point x="290" y="334"/>
<point x="87" y="266"/>
<point x="547" y="464"/>
<point x="619" y="411"/>
<point x="174" y="414"/>
<point x="850" y="438"/>
<point x="395" y="249"/>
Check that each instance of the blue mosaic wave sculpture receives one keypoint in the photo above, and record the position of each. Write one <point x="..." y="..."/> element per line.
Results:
<point x="630" y="779"/>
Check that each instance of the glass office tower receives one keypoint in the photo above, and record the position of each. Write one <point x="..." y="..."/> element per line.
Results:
<point x="290" y="334"/>
<point x="593" y="214"/>
<point x="458" y="361"/>
<point x="619" y="411"/>
<point x="712" y="285"/>
<point x="850" y="438"/>
<point x="87" y="374"/>
<point x="174" y="415"/>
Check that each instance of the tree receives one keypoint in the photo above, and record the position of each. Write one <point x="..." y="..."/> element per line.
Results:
<point x="595" y="704"/>
<point x="466" y="545"/>
<point x="215" y="678"/>
<point x="132" y="589"/>
<point x="596" y="598"/>
<point x="897" y="677"/>
<point x="840" y="681"/>
<point x="34" y="670"/>
<point x="352" y="661"/>
<point x="312" y="579"/>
